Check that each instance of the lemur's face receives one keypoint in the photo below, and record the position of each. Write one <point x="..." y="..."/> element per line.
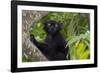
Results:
<point x="52" y="27"/>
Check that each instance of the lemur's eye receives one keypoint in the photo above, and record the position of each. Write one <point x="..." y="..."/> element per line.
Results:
<point x="56" y="25"/>
<point x="49" y="24"/>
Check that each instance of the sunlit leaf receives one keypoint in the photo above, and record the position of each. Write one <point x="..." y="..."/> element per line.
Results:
<point x="85" y="55"/>
<point x="80" y="49"/>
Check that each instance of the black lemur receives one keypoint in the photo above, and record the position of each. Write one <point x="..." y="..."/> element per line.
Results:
<point x="54" y="44"/>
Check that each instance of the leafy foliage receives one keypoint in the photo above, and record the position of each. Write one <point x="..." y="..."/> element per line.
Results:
<point x="74" y="30"/>
<point x="79" y="46"/>
<point x="26" y="58"/>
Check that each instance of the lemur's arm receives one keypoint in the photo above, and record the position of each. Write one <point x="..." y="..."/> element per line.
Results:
<point x="41" y="46"/>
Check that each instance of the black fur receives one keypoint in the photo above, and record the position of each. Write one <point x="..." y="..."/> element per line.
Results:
<point x="54" y="44"/>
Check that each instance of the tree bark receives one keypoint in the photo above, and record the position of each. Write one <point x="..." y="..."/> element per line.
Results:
<point x="29" y="17"/>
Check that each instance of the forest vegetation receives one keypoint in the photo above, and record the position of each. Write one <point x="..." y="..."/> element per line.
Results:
<point x="75" y="30"/>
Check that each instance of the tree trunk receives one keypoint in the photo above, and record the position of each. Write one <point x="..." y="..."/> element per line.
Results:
<point x="29" y="50"/>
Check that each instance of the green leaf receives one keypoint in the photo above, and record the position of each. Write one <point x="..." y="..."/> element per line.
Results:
<point x="80" y="49"/>
<point x="73" y="40"/>
<point x="85" y="55"/>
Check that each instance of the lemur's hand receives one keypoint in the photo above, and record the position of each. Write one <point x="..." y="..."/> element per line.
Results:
<point x="32" y="38"/>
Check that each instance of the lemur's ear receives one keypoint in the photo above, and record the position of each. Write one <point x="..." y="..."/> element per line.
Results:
<point x="46" y="22"/>
<point x="61" y="26"/>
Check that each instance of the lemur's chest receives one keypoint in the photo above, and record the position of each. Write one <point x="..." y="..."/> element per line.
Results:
<point x="53" y="42"/>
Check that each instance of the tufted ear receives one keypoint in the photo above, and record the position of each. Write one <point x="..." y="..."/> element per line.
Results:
<point x="45" y="26"/>
<point x="60" y="26"/>
<point x="46" y="22"/>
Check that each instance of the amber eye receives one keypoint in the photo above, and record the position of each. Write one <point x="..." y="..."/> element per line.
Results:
<point x="56" y="25"/>
<point x="49" y="24"/>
